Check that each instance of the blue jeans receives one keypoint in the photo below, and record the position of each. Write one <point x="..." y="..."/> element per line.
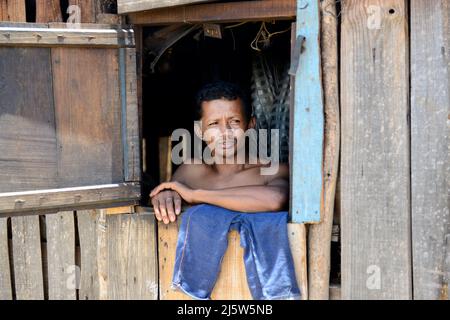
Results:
<point x="203" y="240"/>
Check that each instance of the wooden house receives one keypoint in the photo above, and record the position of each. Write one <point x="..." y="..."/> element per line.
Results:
<point x="91" y="89"/>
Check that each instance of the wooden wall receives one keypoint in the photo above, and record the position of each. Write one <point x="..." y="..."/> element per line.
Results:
<point x="395" y="159"/>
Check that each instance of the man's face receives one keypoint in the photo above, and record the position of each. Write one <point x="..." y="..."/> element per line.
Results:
<point x="223" y="126"/>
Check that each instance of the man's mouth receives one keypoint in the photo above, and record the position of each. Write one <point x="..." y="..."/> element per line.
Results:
<point x="228" y="144"/>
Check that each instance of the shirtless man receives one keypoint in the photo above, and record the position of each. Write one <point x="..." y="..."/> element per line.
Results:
<point x="224" y="116"/>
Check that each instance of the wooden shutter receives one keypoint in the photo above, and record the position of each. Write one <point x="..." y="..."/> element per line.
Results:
<point x="69" y="133"/>
<point x="126" y="6"/>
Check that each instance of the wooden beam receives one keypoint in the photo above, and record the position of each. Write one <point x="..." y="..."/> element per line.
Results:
<point x="375" y="165"/>
<point x="307" y="118"/>
<point x="320" y="235"/>
<point x="15" y="202"/>
<point x="218" y="12"/>
<point x="430" y="159"/>
<point x="45" y="37"/>
<point x="127" y="6"/>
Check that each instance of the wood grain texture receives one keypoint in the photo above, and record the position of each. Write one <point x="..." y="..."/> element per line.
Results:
<point x="297" y="240"/>
<point x="430" y="162"/>
<point x="27" y="120"/>
<point x="62" y="276"/>
<point x="88" y="116"/>
<point x="17" y="203"/>
<point x="319" y="242"/>
<point x="307" y="119"/>
<point x="5" y="274"/>
<point x="375" y="165"/>
<point x="26" y="243"/>
<point x="89" y="276"/>
<point x="48" y="11"/>
<point x="127" y="6"/>
<point x="87" y="10"/>
<point x="130" y="120"/>
<point x="12" y="10"/>
<point x="218" y="12"/>
<point x="131" y="257"/>
<point x="26" y="36"/>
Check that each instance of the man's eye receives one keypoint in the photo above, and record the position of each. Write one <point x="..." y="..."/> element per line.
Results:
<point x="212" y="124"/>
<point x="235" y="121"/>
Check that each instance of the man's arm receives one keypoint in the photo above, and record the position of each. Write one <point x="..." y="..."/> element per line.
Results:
<point x="270" y="197"/>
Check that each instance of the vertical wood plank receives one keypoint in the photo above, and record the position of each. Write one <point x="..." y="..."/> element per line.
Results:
<point x="28" y="275"/>
<point x="430" y="163"/>
<point x="297" y="241"/>
<point x="13" y="11"/>
<point x="308" y="119"/>
<point x="60" y="229"/>
<point x="87" y="111"/>
<point x="320" y="235"/>
<point x="375" y="190"/>
<point x="132" y="260"/>
<point x="5" y="274"/>
<point x="48" y="11"/>
<point x="87" y="10"/>
<point x="87" y="232"/>
<point x="130" y="120"/>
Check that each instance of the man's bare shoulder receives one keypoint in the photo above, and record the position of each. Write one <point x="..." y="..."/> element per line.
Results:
<point x="189" y="170"/>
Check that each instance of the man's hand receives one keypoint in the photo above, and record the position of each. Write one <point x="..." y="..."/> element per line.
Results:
<point x="184" y="191"/>
<point x="167" y="204"/>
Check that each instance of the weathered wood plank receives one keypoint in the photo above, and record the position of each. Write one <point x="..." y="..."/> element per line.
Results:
<point x="218" y="12"/>
<point x="132" y="259"/>
<point x="375" y="170"/>
<point x="27" y="120"/>
<point x="88" y="116"/>
<point x="430" y="162"/>
<point x="89" y="276"/>
<point x="62" y="275"/>
<point x="5" y="274"/>
<point x="12" y="10"/>
<point x="57" y="37"/>
<point x="307" y="119"/>
<point x="319" y="242"/>
<point x="78" y="197"/>
<point x="130" y="121"/>
<point x="127" y="6"/>
<point x="48" y="11"/>
<point x="28" y="274"/>
<point x="87" y="10"/>
<point x="298" y="243"/>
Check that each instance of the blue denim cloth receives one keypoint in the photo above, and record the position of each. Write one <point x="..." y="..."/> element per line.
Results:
<point x="203" y="240"/>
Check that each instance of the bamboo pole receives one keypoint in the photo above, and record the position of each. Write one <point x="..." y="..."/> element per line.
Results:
<point x="319" y="241"/>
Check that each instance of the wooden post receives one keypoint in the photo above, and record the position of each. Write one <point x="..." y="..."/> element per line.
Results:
<point x="307" y="120"/>
<point x="319" y="242"/>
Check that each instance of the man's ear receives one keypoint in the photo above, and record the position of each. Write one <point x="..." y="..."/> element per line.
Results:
<point x="252" y="123"/>
<point x="198" y="129"/>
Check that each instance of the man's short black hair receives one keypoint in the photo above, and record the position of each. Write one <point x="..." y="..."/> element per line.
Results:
<point x="222" y="90"/>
